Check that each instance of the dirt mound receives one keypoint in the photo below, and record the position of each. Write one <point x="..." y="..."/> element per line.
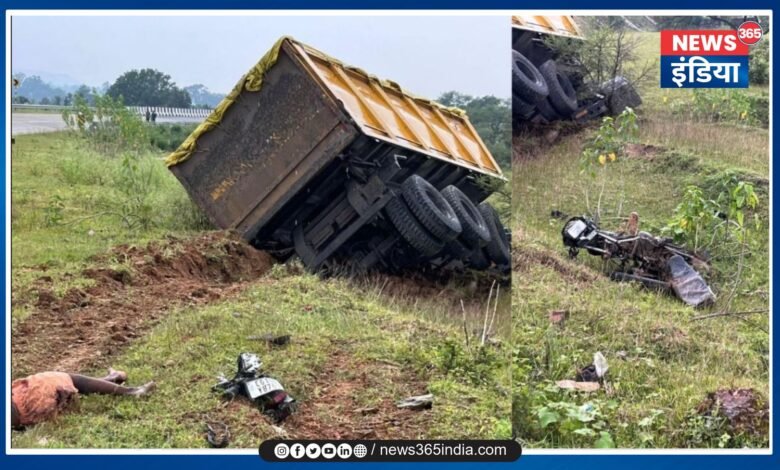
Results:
<point x="525" y="256"/>
<point x="744" y="409"/>
<point x="648" y="152"/>
<point x="133" y="288"/>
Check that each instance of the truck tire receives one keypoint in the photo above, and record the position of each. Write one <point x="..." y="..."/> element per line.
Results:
<point x="527" y="81"/>
<point x="478" y="260"/>
<point x="521" y="109"/>
<point x="561" y="92"/>
<point x="498" y="247"/>
<point x="410" y="229"/>
<point x="430" y="208"/>
<point x="474" y="230"/>
<point x="458" y="250"/>
<point x="547" y="111"/>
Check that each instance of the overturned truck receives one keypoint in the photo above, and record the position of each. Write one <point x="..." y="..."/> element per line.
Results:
<point x="546" y="88"/>
<point x="313" y="157"/>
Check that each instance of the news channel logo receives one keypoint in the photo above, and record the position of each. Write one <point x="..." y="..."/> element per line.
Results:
<point x="708" y="58"/>
<point x="313" y="451"/>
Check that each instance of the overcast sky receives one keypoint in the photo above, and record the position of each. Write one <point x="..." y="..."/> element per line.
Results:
<point x="426" y="55"/>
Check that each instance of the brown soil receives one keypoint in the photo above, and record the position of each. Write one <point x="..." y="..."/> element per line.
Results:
<point x="332" y="411"/>
<point x="647" y="152"/>
<point x="744" y="409"/>
<point x="86" y="326"/>
<point x="525" y="256"/>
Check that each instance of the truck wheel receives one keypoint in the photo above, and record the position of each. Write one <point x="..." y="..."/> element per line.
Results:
<point x="474" y="229"/>
<point x="527" y="82"/>
<point x="498" y="248"/>
<point x="410" y="229"/>
<point x="430" y="208"/>
<point x="562" y="95"/>
<point x="458" y="250"/>
<point x="547" y="111"/>
<point x="478" y="260"/>
<point x="521" y="109"/>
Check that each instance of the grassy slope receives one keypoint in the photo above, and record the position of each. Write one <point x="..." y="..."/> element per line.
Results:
<point x="352" y="336"/>
<point x="64" y="203"/>
<point x="404" y="350"/>
<point x="671" y="361"/>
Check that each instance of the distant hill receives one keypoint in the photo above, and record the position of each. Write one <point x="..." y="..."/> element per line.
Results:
<point x="35" y="89"/>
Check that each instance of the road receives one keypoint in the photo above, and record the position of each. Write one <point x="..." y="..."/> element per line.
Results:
<point x="31" y="123"/>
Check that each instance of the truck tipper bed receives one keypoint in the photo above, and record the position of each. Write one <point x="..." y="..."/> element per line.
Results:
<point x="310" y="156"/>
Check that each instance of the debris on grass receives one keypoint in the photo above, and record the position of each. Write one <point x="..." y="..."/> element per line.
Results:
<point x="578" y="386"/>
<point x="744" y="408"/>
<point x="600" y="363"/>
<point x="217" y="434"/>
<point x="420" y="402"/>
<point x="558" y="317"/>
<point x="266" y="392"/>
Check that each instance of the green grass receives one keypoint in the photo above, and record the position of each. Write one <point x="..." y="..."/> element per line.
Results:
<point x="343" y="337"/>
<point x="662" y="362"/>
<point x="356" y="344"/>
<point x="69" y="203"/>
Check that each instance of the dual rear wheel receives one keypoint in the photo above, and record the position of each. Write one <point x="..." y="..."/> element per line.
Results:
<point x="447" y="223"/>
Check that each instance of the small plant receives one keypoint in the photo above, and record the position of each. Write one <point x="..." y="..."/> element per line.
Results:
<point x="53" y="214"/>
<point x="699" y="220"/>
<point x="605" y="147"/>
<point x="610" y="138"/>
<point x="723" y="105"/>
<point x="136" y="180"/>
<point x="108" y="126"/>
<point x="578" y="424"/>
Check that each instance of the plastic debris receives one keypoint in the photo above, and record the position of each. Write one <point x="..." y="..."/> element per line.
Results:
<point x="688" y="284"/>
<point x="420" y="402"/>
<point x="600" y="363"/>
<point x="217" y="434"/>
<point x="266" y="392"/>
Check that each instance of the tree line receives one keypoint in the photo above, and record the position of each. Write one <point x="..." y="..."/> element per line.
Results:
<point x="143" y="87"/>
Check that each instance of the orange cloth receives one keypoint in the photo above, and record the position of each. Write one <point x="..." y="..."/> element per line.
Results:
<point x="42" y="396"/>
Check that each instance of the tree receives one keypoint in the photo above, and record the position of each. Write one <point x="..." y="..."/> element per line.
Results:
<point x="34" y="88"/>
<point x="149" y="87"/>
<point x="86" y="94"/>
<point x="202" y="97"/>
<point x="492" y="119"/>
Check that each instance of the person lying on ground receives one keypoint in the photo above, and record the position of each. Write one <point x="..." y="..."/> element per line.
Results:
<point x="43" y="396"/>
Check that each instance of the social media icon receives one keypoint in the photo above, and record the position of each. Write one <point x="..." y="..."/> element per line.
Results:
<point x="313" y="450"/>
<point x="281" y="451"/>
<point x="360" y="451"/>
<point x="344" y="451"/>
<point x="297" y="450"/>
<point x="328" y="450"/>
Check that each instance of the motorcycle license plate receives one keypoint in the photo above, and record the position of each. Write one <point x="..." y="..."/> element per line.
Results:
<point x="262" y="386"/>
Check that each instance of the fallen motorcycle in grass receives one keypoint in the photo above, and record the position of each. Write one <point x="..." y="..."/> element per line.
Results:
<point x="654" y="262"/>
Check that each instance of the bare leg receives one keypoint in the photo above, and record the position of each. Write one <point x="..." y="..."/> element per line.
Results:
<point x="87" y="385"/>
<point x="116" y="376"/>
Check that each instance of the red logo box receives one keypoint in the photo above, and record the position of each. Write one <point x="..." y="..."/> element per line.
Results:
<point x="702" y="42"/>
